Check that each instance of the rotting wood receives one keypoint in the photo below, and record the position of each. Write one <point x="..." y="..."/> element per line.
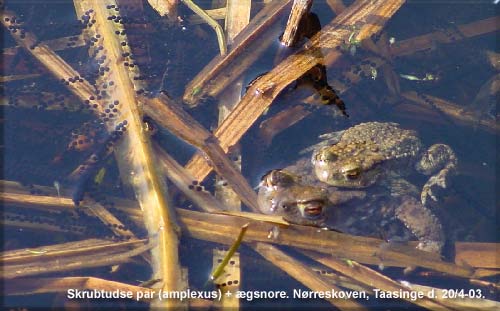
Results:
<point x="172" y="117"/>
<point x="300" y="9"/>
<point x="304" y="274"/>
<point x="262" y="93"/>
<point x="372" y="278"/>
<point x="220" y="229"/>
<point x="247" y="48"/>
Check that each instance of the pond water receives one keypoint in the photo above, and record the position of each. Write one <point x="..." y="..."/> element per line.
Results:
<point x="446" y="92"/>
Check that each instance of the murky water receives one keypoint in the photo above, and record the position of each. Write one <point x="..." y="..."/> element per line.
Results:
<point x="48" y="131"/>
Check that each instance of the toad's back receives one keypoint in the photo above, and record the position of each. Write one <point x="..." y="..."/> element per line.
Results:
<point x="385" y="140"/>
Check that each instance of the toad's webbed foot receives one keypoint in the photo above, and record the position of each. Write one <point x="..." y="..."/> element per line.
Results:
<point x="441" y="158"/>
<point x="422" y="223"/>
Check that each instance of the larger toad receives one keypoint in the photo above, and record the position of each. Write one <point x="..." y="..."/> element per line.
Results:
<point x="381" y="154"/>
<point x="377" y="152"/>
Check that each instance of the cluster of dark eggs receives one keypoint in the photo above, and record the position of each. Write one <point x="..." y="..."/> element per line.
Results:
<point x="15" y="25"/>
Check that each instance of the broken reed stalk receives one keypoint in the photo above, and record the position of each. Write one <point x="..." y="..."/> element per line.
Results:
<point x="107" y="218"/>
<point x="183" y="180"/>
<point x="63" y="262"/>
<point x="220" y="229"/>
<point x="458" y="303"/>
<point x="221" y="39"/>
<point x="337" y="6"/>
<point x="237" y="17"/>
<point x="166" y="8"/>
<point x="54" y="63"/>
<point x="34" y="99"/>
<point x="262" y="93"/>
<point x="341" y="280"/>
<point x="247" y="48"/>
<point x="172" y="117"/>
<point x="216" y="14"/>
<point x="135" y="150"/>
<point x="41" y="202"/>
<point x="16" y="221"/>
<point x="427" y="41"/>
<point x="304" y="274"/>
<point x="58" y="44"/>
<point x="452" y="110"/>
<point x="69" y="249"/>
<point x="371" y="278"/>
<point x="286" y="118"/>
<point x="4" y="79"/>
<point x="300" y="9"/>
<point x="31" y="286"/>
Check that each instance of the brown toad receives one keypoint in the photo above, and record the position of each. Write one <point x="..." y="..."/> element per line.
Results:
<point x="376" y="152"/>
<point x="380" y="154"/>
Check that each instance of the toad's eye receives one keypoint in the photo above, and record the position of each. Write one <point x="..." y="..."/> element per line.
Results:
<point x="352" y="173"/>
<point x="326" y="156"/>
<point x="285" y="206"/>
<point x="277" y="177"/>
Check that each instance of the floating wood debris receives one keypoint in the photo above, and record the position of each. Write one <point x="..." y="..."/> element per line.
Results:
<point x="218" y="228"/>
<point x="69" y="256"/>
<point x="305" y="275"/>
<point x="299" y="12"/>
<point x="262" y="93"/>
<point x="169" y="115"/>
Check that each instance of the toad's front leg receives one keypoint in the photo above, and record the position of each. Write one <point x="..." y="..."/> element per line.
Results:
<point x="438" y="158"/>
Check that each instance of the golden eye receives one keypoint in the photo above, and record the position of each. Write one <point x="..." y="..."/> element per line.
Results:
<point x="277" y="177"/>
<point x="352" y="173"/>
<point x="326" y="156"/>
